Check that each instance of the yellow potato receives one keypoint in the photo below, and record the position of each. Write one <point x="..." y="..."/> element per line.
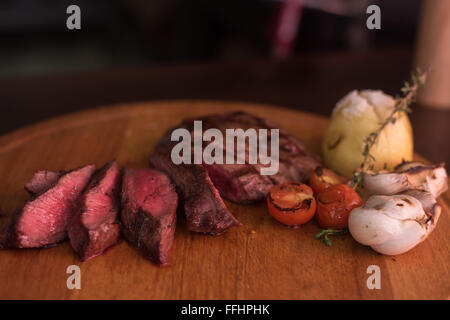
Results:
<point x="354" y="118"/>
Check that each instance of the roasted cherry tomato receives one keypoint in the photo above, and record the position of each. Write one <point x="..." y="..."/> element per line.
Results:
<point x="334" y="205"/>
<point x="322" y="178"/>
<point x="291" y="203"/>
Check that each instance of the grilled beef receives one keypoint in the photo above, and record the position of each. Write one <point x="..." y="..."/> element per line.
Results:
<point x="241" y="183"/>
<point x="43" y="219"/>
<point x="204" y="209"/>
<point x="148" y="214"/>
<point x="42" y="181"/>
<point x="95" y="226"/>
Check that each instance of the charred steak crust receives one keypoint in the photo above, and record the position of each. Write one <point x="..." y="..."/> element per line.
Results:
<point x="243" y="183"/>
<point x="44" y="218"/>
<point x="295" y="162"/>
<point x="148" y="214"/>
<point x="95" y="226"/>
<point x="204" y="209"/>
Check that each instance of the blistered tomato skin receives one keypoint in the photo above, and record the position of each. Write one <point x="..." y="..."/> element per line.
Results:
<point x="292" y="204"/>
<point x="322" y="178"/>
<point x="334" y="205"/>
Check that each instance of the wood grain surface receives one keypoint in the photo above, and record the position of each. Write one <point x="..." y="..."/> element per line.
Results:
<point x="259" y="260"/>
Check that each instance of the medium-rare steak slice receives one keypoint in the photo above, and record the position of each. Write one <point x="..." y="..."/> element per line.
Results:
<point x="243" y="183"/>
<point x="43" y="219"/>
<point x="148" y="214"/>
<point x="42" y="181"/>
<point x="204" y="209"/>
<point x="95" y="226"/>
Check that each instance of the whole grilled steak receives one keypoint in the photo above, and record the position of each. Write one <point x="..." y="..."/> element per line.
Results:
<point x="43" y="220"/>
<point x="95" y="226"/>
<point x="148" y="214"/>
<point x="243" y="183"/>
<point x="42" y="181"/>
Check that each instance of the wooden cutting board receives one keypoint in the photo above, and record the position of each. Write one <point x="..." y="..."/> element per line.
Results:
<point x="259" y="260"/>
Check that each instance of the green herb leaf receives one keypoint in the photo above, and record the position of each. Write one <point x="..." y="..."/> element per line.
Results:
<point x="324" y="235"/>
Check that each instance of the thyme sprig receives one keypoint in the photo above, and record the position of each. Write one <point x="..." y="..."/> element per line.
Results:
<point x="408" y="95"/>
<point x="324" y="235"/>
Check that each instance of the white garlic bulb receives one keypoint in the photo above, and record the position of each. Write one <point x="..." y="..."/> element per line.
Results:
<point x="392" y="224"/>
<point x="407" y="176"/>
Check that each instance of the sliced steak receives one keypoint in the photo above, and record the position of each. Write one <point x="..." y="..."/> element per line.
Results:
<point x="243" y="183"/>
<point x="43" y="220"/>
<point x="42" y="181"/>
<point x="204" y="209"/>
<point x="95" y="226"/>
<point x="148" y="214"/>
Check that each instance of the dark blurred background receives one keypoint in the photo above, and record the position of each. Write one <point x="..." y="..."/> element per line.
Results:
<point x="116" y="33"/>
<point x="301" y="54"/>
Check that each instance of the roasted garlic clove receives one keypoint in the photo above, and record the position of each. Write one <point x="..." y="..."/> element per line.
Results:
<point x="406" y="176"/>
<point x="427" y="200"/>
<point x="429" y="204"/>
<point x="383" y="184"/>
<point x="392" y="224"/>
<point x="432" y="178"/>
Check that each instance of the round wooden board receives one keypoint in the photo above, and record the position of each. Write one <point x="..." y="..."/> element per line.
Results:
<point x="259" y="260"/>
